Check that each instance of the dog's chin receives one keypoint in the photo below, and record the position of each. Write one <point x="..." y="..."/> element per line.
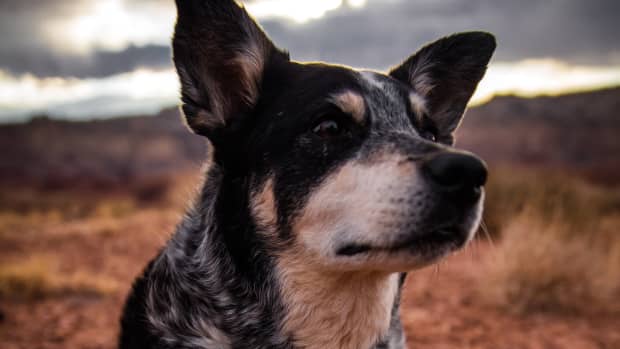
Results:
<point x="414" y="252"/>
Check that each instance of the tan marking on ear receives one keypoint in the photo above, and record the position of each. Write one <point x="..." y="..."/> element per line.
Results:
<point x="263" y="206"/>
<point x="252" y="63"/>
<point x="202" y="119"/>
<point x="351" y="103"/>
<point x="206" y="120"/>
<point x="418" y="104"/>
<point x="326" y="309"/>
<point x="419" y="75"/>
<point x="187" y="83"/>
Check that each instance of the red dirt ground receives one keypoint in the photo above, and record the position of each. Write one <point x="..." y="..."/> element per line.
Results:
<point x="441" y="308"/>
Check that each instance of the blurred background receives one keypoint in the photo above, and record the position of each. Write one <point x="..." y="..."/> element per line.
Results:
<point x="96" y="166"/>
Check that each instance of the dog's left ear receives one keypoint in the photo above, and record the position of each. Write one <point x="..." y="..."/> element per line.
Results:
<point x="445" y="73"/>
<point x="221" y="55"/>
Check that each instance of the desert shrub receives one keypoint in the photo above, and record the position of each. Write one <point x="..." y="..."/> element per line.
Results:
<point x="549" y="195"/>
<point x="149" y="191"/>
<point x="39" y="278"/>
<point x="69" y="205"/>
<point x="558" y="247"/>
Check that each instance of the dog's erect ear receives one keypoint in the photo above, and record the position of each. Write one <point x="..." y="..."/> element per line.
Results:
<point x="220" y="54"/>
<point x="445" y="73"/>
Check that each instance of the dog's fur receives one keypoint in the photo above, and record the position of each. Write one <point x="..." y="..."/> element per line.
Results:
<point x="320" y="192"/>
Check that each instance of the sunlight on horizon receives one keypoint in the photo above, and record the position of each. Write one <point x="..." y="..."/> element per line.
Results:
<point x="299" y="11"/>
<point x="535" y="77"/>
<point x="103" y="25"/>
<point x="142" y="91"/>
<point x="146" y="90"/>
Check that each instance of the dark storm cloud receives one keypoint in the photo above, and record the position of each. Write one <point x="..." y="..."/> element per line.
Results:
<point x="26" y="45"/>
<point x="24" y="25"/>
<point x="385" y="32"/>
<point x="96" y="64"/>
<point x="379" y="35"/>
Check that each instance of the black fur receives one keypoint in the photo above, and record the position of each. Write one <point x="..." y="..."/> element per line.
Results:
<point x="213" y="285"/>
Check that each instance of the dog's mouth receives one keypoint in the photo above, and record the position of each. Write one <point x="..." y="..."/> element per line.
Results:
<point x="434" y="243"/>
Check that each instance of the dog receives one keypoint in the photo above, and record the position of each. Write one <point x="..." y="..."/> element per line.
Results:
<point x="324" y="186"/>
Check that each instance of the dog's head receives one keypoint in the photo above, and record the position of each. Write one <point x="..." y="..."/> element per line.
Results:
<point x="353" y="169"/>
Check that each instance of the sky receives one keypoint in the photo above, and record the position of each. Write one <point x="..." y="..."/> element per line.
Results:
<point x="81" y="59"/>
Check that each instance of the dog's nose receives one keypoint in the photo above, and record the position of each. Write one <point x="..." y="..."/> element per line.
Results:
<point x="452" y="172"/>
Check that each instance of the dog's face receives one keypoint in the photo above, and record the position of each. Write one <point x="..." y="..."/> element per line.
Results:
<point x="352" y="169"/>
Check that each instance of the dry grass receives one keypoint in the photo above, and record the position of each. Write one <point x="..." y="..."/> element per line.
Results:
<point x="551" y="195"/>
<point x="29" y="215"/>
<point x="25" y="208"/>
<point x="558" y="247"/>
<point x="39" y="278"/>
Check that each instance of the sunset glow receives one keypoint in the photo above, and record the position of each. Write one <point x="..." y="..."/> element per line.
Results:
<point x="533" y="77"/>
<point x="28" y="94"/>
<point x="124" y="86"/>
<point x="299" y="11"/>
<point x="109" y="25"/>
<point x="138" y="92"/>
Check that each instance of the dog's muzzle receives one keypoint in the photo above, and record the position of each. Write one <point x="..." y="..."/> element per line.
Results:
<point x="454" y="182"/>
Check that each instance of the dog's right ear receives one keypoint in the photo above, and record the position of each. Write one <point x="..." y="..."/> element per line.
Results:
<point x="445" y="74"/>
<point x="220" y="54"/>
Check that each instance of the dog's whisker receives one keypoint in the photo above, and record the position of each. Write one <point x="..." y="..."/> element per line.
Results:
<point x="436" y="270"/>
<point x="472" y="249"/>
<point x="487" y="235"/>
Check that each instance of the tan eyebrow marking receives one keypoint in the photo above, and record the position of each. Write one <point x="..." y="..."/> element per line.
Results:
<point x="351" y="103"/>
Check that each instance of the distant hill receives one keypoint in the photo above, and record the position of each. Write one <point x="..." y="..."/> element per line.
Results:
<point x="579" y="132"/>
<point x="52" y="152"/>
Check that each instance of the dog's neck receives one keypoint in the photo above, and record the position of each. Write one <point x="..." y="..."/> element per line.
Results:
<point x="204" y="291"/>
<point x="327" y="309"/>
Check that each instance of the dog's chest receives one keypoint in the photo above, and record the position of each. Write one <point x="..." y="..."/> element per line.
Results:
<point x="339" y="313"/>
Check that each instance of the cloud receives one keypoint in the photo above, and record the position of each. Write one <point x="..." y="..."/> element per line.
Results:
<point x="99" y="63"/>
<point x="68" y="38"/>
<point x="139" y="92"/>
<point x="382" y="33"/>
<point x="146" y="91"/>
<point x="27" y="26"/>
<point x="385" y="32"/>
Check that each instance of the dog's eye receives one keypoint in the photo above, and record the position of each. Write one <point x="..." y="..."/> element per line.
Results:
<point x="327" y="129"/>
<point x="426" y="134"/>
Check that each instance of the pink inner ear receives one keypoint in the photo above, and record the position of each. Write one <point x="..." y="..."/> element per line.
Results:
<point x="220" y="53"/>
<point x="445" y="74"/>
<point x="420" y="76"/>
<point x="251" y="61"/>
<point x="418" y="104"/>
